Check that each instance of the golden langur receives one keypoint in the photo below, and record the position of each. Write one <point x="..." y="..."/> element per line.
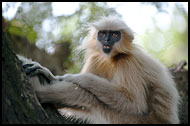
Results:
<point x="119" y="83"/>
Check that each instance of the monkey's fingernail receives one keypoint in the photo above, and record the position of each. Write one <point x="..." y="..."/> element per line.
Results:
<point x="76" y="88"/>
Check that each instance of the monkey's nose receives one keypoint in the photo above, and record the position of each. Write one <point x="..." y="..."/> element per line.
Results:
<point x="106" y="41"/>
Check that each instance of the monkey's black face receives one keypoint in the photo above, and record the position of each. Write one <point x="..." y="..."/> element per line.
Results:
<point x="108" y="39"/>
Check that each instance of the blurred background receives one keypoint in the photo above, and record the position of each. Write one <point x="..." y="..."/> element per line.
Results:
<point x="49" y="32"/>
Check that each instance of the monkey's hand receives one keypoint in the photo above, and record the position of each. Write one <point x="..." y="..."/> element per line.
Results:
<point x="32" y="69"/>
<point x="37" y="70"/>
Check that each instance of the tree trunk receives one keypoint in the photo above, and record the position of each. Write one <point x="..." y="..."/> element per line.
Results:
<point x="20" y="104"/>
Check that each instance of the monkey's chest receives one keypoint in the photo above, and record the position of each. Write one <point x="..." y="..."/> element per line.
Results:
<point x="104" y="71"/>
<point x="100" y="66"/>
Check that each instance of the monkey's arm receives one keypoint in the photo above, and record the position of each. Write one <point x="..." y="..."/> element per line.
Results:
<point x="103" y="90"/>
<point x="63" y="94"/>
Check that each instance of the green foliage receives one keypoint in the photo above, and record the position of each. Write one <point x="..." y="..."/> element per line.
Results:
<point x="21" y="29"/>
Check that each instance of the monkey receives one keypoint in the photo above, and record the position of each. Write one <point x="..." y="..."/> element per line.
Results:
<point x="119" y="83"/>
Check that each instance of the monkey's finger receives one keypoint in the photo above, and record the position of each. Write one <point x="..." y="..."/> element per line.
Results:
<point x="43" y="72"/>
<point x="31" y="70"/>
<point x="27" y="65"/>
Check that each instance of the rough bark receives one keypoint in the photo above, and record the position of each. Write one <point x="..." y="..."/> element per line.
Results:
<point x="20" y="104"/>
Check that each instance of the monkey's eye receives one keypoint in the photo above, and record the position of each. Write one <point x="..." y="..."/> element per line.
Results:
<point x="102" y="35"/>
<point x="114" y="35"/>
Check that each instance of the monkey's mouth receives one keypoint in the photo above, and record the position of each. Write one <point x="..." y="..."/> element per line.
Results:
<point x="107" y="48"/>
